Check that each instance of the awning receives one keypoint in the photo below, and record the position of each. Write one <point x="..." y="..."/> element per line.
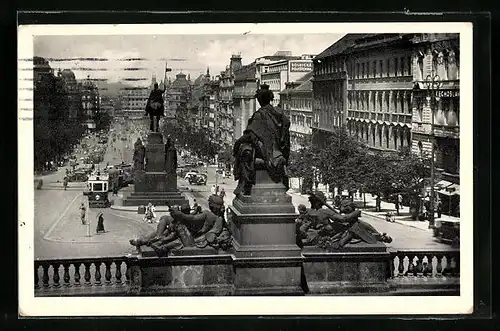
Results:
<point x="451" y="190"/>
<point x="442" y="185"/>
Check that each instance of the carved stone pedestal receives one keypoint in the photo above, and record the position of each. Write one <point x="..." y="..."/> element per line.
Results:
<point x="154" y="184"/>
<point x="267" y="259"/>
<point x="353" y="270"/>
<point x="189" y="271"/>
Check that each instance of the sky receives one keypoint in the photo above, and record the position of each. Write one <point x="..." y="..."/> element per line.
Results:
<point x="145" y="55"/>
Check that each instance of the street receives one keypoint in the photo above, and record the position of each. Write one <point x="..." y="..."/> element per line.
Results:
<point x="59" y="232"/>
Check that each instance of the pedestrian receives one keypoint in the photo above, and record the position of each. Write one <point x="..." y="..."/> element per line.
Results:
<point x="337" y="201"/>
<point x="222" y="193"/>
<point x="65" y="182"/>
<point x="82" y="213"/>
<point x="213" y="189"/>
<point x="115" y="189"/>
<point x="100" y="223"/>
<point x="439" y="205"/>
<point x="396" y="204"/>
<point x="378" y="202"/>
<point x="400" y="201"/>
<point x="217" y="190"/>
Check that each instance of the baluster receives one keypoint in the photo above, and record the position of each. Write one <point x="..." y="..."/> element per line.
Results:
<point x="45" y="278"/>
<point x="425" y="266"/>
<point x="87" y="273"/>
<point x="410" y="271"/>
<point x="107" y="275"/>
<point x="453" y="266"/>
<point x="457" y="265"/>
<point x="445" y="262"/>
<point x="55" y="277"/>
<point x="401" y="267"/>
<point x="37" y="286"/>
<point x="118" y="272"/>
<point x="127" y="274"/>
<point x="395" y="262"/>
<point x="97" y="273"/>
<point x="66" y="277"/>
<point x="77" y="273"/>
<point x="419" y="267"/>
<point x="434" y="263"/>
<point x="439" y="266"/>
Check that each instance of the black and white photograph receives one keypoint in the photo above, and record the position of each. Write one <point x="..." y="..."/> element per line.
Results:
<point x="276" y="168"/>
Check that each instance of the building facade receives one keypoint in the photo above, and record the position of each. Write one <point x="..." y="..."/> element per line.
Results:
<point x="133" y="101"/>
<point x="90" y="102"/>
<point x="296" y="100"/>
<point x="74" y="95"/>
<point x="364" y="83"/>
<point x="279" y="73"/>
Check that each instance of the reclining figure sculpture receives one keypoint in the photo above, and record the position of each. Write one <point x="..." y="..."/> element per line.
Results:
<point x="330" y="230"/>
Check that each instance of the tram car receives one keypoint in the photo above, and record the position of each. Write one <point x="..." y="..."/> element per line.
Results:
<point x="97" y="190"/>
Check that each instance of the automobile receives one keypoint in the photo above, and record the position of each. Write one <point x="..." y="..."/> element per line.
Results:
<point x="447" y="231"/>
<point x="190" y="173"/>
<point x="199" y="179"/>
<point x="78" y="176"/>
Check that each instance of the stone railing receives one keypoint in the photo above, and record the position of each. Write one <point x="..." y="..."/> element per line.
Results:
<point x="400" y="272"/>
<point x="98" y="276"/>
<point x="419" y="272"/>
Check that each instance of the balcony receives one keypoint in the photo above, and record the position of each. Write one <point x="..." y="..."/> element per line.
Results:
<point x="400" y="272"/>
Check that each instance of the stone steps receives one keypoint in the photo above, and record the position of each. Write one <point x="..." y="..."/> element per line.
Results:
<point x="155" y="201"/>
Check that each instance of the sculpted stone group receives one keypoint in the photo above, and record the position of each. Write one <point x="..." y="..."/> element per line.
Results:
<point x="265" y="144"/>
<point x="330" y="230"/>
<point x="181" y="229"/>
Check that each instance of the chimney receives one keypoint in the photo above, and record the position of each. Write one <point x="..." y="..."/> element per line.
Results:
<point x="235" y="62"/>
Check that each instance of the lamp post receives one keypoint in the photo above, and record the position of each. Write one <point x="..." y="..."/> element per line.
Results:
<point x="432" y="83"/>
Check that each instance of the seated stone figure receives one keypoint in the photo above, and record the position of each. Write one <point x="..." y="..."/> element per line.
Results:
<point x="170" y="234"/>
<point x="317" y="222"/>
<point x="265" y="144"/>
<point x="358" y="231"/>
<point x="209" y="227"/>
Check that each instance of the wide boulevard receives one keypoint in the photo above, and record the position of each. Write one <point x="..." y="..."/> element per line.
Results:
<point x="59" y="232"/>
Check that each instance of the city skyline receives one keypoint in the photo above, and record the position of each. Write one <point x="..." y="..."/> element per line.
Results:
<point x="134" y="59"/>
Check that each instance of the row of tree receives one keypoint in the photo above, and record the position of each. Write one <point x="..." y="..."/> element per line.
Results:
<point x="55" y="132"/>
<point x="348" y="164"/>
<point x="195" y="140"/>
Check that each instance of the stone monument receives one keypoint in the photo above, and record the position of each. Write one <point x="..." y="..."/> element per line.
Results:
<point x="262" y="217"/>
<point x="156" y="182"/>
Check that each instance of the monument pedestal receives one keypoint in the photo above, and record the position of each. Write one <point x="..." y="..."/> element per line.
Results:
<point x="267" y="259"/>
<point x="155" y="185"/>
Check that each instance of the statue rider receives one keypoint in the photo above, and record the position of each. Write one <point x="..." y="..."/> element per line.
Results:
<point x="155" y="108"/>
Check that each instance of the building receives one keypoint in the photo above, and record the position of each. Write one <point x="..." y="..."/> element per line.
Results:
<point x="108" y="105"/>
<point x="225" y="101"/>
<point x="247" y="79"/>
<point x="363" y="82"/>
<point x="277" y="74"/>
<point x="296" y="100"/>
<point x="176" y="97"/>
<point x="133" y="101"/>
<point x="74" y="94"/>
<point x="436" y="117"/>
<point x="244" y="102"/>
<point x="90" y="102"/>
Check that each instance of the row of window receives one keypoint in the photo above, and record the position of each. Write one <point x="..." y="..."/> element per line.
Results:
<point x="302" y="103"/>
<point x="301" y="120"/>
<point x="394" y="66"/>
<point x="380" y="135"/>
<point x="381" y="101"/>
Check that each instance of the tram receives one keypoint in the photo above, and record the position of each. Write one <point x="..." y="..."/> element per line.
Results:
<point x="97" y="190"/>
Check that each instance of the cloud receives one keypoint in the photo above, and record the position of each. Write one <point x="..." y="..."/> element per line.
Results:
<point x="149" y="53"/>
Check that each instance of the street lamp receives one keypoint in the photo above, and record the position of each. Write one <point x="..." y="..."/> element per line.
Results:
<point x="432" y="83"/>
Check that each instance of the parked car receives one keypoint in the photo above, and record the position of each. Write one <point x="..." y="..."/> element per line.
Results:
<point x="190" y="174"/>
<point x="447" y="231"/>
<point x="199" y="179"/>
<point x="78" y="176"/>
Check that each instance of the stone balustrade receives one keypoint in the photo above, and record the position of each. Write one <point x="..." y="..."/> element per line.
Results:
<point x="425" y="272"/>
<point x="99" y="276"/>
<point x="401" y="272"/>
